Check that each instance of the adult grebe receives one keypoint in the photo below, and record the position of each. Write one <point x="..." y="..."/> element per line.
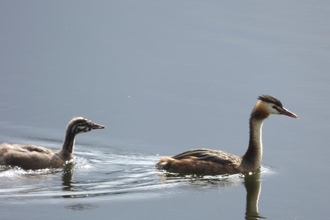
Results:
<point x="35" y="157"/>
<point x="215" y="162"/>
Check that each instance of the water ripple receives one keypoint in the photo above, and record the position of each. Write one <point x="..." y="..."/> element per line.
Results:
<point x="110" y="176"/>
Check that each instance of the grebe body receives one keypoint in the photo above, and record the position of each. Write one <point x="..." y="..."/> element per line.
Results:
<point x="36" y="157"/>
<point x="216" y="162"/>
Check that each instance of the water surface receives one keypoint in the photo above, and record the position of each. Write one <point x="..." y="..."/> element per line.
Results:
<point x="164" y="77"/>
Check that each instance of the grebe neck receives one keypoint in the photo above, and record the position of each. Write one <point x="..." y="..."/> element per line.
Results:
<point x="68" y="144"/>
<point x="253" y="155"/>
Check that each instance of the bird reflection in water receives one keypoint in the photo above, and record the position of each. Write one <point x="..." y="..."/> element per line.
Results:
<point x="67" y="177"/>
<point x="252" y="185"/>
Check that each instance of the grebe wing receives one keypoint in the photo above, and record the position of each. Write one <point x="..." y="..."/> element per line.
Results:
<point x="215" y="156"/>
<point x="29" y="148"/>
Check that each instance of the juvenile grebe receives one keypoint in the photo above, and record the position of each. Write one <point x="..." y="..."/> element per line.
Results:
<point x="215" y="162"/>
<point x="36" y="157"/>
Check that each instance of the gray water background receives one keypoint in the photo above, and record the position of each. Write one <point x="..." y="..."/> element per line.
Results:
<point x="164" y="77"/>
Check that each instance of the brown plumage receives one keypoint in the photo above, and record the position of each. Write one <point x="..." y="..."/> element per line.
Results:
<point x="215" y="162"/>
<point x="36" y="157"/>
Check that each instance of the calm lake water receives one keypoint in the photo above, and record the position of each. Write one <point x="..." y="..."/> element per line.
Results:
<point x="164" y="77"/>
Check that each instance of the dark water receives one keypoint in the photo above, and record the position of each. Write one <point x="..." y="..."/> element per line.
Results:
<point x="164" y="78"/>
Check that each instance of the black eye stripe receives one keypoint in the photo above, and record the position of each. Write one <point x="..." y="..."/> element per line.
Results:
<point x="80" y="127"/>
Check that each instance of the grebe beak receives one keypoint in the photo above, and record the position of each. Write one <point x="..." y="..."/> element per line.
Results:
<point x="97" y="126"/>
<point x="286" y="112"/>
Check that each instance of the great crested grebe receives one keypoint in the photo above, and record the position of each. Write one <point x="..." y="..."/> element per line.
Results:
<point x="215" y="162"/>
<point x="36" y="157"/>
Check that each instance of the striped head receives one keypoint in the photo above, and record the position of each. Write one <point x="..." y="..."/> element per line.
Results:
<point x="80" y="125"/>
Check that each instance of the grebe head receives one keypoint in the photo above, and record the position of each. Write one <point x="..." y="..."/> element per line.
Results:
<point x="270" y="105"/>
<point x="79" y="125"/>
